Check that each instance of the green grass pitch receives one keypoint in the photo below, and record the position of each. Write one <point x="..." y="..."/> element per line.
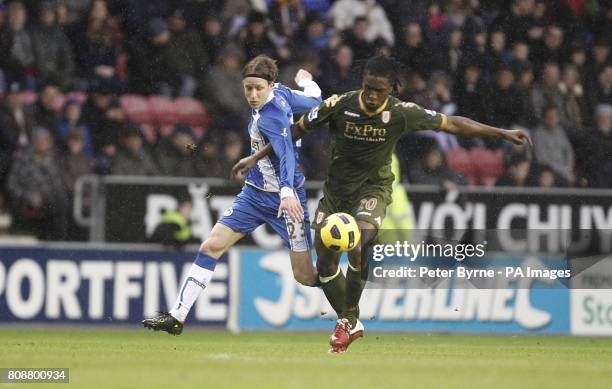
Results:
<point x="132" y="358"/>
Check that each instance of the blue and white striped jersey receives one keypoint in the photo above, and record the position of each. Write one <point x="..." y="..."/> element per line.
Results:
<point x="272" y="124"/>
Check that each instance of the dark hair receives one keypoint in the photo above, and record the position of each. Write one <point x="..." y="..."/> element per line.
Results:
<point x="550" y="107"/>
<point x="182" y="198"/>
<point x="384" y="66"/>
<point x="261" y="66"/>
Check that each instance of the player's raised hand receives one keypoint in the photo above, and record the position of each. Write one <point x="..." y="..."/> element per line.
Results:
<point x="302" y="75"/>
<point x="241" y="168"/>
<point x="518" y="137"/>
<point x="292" y="206"/>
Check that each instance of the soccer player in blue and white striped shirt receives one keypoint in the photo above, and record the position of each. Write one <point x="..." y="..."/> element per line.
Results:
<point x="273" y="192"/>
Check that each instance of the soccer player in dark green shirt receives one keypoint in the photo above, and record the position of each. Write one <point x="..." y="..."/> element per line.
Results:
<point x="365" y="126"/>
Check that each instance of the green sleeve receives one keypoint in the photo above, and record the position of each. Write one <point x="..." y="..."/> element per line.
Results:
<point x="418" y="118"/>
<point x="321" y="114"/>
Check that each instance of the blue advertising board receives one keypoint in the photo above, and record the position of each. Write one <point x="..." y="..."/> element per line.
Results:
<point x="270" y="298"/>
<point x="102" y="286"/>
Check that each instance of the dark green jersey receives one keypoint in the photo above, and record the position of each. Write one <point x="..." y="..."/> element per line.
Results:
<point x="362" y="142"/>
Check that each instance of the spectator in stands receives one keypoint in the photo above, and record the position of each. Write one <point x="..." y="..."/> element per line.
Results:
<point x="546" y="92"/>
<point x="287" y="17"/>
<point x="602" y="92"/>
<point x="255" y="40"/>
<point x="72" y="120"/>
<point x="525" y="86"/>
<point x="94" y="43"/>
<point x="212" y="36"/>
<point x="37" y="191"/>
<point x="76" y="8"/>
<point x="224" y="86"/>
<point x="469" y="92"/>
<point x="516" y="171"/>
<point x="150" y="63"/>
<point x="132" y="159"/>
<point x="339" y="76"/>
<point x="574" y="102"/>
<point x="16" y="122"/>
<point x="136" y="13"/>
<point x="73" y="160"/>
<point x="497" y="54"/>
<point x="519" y="22"/>
<point x="594" y="151"/>
<point x="187" y="56"/>
<point x="17" y="61"/>
<point x="103" y="115"/>
<point x="551" y="49"/>
<point x="450" y="55"/>
<point x="552" y="146"/>
<point x="44" y="108"/>
<point x="579" y="60"/>
<point x="174" y="154"/>
<point x="62" y="13"/>
<point x="174" y="227"/>
<point x="315" y="33"/>
<point x="74" y="163"/>
<point x="504" y="101"/>
<point x="600" y="55"/>
<point x="416" y="90"/>
<point x="475" y="50"/>
<point x="52" y="50"/>
<point x="235" y="13"/>
<point x="520" y="56"/>
<point x="437" y="19"/>
<point x="344" y="14"/>
<point x="456" y="12"/>
<point x="432" y="170"/>
<point x="412" y="51"/>
<point x="442" y="101"/>
<point x="356" y="39"/>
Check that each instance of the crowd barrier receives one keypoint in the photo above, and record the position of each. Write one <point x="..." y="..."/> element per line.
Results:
<point x="253" y="289"/>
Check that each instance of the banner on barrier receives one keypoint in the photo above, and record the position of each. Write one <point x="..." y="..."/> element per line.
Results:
<point x="591" y="300"/>
<point x="591" y="312"/>
<point x="103" y="286"/>
<point x="490" y="209"/>
<point x="270" y="298"/>
<point x="254" y="289"/>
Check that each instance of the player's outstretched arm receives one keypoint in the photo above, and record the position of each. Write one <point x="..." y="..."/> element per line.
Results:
<point x="460" y="125"/>
<point x="241" y="167"/>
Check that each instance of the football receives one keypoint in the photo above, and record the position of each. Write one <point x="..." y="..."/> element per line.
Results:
<point x="339" y="232"/>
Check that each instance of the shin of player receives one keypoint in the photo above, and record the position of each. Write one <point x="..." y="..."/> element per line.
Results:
<point x="201" y="272"/>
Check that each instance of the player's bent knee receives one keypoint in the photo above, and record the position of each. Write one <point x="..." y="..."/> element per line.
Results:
<point x="214" y="247"/>
<point x="326" y="269"/>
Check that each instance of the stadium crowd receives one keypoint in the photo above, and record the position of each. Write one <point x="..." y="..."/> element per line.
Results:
<point x="105" y="86"/>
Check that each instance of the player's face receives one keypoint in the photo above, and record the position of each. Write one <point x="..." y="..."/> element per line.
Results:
<point x="256" y="91"/>
<point x="376" y="90"/>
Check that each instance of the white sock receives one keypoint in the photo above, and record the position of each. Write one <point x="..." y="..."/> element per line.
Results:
<point x="196" y="281"/>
